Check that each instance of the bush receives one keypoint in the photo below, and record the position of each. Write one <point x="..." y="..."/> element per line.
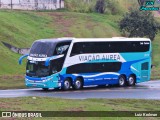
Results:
<point x="108" y="7"/>
<point x="88" y="6"/>
<point x="139" y="24"/>
<point x="80" y="5"/>
<point x="100" y="6"/>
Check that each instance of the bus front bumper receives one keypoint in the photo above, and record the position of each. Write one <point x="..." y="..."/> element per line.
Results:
<point x="46" y="82"/>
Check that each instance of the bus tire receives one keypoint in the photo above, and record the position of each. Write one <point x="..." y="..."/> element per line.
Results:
<point x="122" y="81"/>
<point x="67" y="84"/>
<point x="78" y="84"/>
<point x="131" y="80"/>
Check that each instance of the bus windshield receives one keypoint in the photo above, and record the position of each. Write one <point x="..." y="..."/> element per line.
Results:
<point x="41" y="49"/>
<point x="37" y="69"/>
<point x="38" y="50"/>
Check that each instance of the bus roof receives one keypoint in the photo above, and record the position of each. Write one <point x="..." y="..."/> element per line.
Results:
<point x="110" y="39"/>
<point x="69" y="39"/>
<point x="54" y="40"/>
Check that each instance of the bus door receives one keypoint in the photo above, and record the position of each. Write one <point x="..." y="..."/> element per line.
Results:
<point x="145" y="71"/>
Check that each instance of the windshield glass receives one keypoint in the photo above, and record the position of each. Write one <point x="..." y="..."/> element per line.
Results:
<point x="42" y="49"/>
<point x="46" y="49"/>
<point x="37" y="69"/>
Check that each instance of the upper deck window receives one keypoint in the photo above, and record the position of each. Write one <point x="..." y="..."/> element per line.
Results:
<point x="41" y="49"/>
<point x="110" y="47"/>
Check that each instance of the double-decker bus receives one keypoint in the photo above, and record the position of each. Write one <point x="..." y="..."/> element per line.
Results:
<point x="76" y="62"/>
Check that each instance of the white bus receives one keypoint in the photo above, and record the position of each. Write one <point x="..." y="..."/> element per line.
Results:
<point x="76" y="62"/>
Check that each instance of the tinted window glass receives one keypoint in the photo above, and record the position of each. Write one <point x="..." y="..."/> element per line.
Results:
<point x="109" y="47"/>
<point x="61" y="48"/>
<point x="94" y="67"/>
<point x="145" y="66"/>
<point x="42" y="49"/>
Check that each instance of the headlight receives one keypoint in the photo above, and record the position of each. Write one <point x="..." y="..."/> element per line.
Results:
<point x="44" y="80"/>
<point x="47" y="80"/>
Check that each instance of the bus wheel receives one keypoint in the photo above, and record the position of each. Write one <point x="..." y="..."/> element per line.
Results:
<point x="78" y="84"/>
<point x="122" y="81"/>
<point x="67" y="84"/>
<point x="45" y="89"/>
<point x="131" y="80"/>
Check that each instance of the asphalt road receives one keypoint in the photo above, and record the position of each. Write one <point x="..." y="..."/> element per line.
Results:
<point x="146" y="90"/>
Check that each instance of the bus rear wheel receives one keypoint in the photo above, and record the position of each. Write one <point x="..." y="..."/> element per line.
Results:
<point x="131" y="80"/>
<point x="122" y="81"/>
<point x="78" y="84"/>
<point x="67" y="84"/>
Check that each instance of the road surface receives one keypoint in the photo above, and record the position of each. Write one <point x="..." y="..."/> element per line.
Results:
<point x="146" y="90"/>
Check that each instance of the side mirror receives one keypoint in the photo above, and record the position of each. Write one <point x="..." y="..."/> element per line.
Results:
<point x="21" y="58"/>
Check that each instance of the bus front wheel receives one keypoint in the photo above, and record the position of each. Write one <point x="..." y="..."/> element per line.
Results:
<point x="78" y="84"/>
<point x="131" y="80"/>
<point x="122" y="81"/>
<point x="67" y="84"/>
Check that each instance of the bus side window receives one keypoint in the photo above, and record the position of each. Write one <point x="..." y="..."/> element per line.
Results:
<point x="61" y="48"/>
<point x="76" y="49"/>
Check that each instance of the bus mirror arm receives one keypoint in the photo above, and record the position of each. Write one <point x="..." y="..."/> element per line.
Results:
<point x="52" y="58"/>
<point x="21" y="58"/>
<point x="48" y="60"/>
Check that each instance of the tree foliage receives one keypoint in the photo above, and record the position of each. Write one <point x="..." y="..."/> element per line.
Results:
<point x="100" y="6"/>
<point x="82" y="6"/>
<point x="141" y="2"/>
<point x="139" y="24"/>
<point x="107" y="7"/>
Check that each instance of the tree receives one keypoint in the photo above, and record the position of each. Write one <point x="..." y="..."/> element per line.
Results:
<point x="141" y="2"/>
<point x="100" y="6"/>
<point x="139" y="24"/>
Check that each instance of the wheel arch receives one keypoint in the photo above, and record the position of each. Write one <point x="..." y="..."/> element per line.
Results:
<point x="125" y="76"/>
<point x="70" y="79"/>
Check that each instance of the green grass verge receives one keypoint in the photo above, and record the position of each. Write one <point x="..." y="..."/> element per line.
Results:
<point x="56" y="104"/>
<point x="12" y="82"/>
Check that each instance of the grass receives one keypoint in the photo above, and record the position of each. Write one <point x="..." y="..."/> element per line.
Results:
<point x="56" y="104"/>
<point x="20" y="29"/>
<point x="12" y="82"/>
